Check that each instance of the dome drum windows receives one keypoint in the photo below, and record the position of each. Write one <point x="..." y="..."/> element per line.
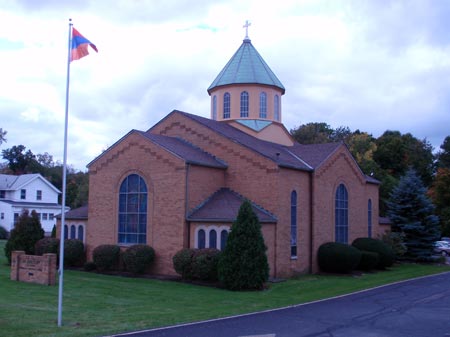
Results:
<point x="226" y="105"/>
<point x="244" y="104"/>
<point x="262" y="105"/>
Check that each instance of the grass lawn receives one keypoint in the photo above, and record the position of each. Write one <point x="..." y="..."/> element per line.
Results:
<point x="96" y="305"/>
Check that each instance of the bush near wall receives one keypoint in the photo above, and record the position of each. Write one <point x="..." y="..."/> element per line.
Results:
<point x="106" y="257"/>
<point x="386" y="254"/>
<point x="74" y="253"/>
<point x="138" y="258"/>
<point x="369" y="260"/>
<point x="182" y="262"/>
<point x="199" y="264"/>
<point x="47" y="246"/>
<point x="335" y="257"/>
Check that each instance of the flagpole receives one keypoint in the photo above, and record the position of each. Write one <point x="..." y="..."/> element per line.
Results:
<point x="63" y="203"/>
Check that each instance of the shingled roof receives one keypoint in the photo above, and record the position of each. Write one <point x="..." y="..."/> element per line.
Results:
<point x="246" y="67"/>
<point x="223" y="206"/>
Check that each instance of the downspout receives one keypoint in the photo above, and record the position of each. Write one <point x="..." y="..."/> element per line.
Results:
<point x="311" y="221"/>
<point x="186" y="204"/>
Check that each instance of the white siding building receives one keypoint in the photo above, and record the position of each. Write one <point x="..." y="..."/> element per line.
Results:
<point x="30" y="192"/>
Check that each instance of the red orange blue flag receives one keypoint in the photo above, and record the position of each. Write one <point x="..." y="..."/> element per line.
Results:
<point x="80" y="46"/>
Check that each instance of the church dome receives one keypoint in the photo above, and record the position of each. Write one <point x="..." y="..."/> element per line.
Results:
<point x="246" y="67"/>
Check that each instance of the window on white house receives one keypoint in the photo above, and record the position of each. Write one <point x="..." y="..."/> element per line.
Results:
<point x="44" y="216"/>
<point x="2" y="194"/>
<point x="51" y="216"/>
<point x="2" y="216"/>
<point x="38" y="195"/>
<point x="23" y="194"/>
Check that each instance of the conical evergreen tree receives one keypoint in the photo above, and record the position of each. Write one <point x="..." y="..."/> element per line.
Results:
<point x="411" y="213"/>
<point x="243" y="263"/>
<point x="26" y="233"/>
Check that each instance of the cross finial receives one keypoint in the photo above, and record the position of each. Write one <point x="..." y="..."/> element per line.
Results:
<point x="247" y="24"/>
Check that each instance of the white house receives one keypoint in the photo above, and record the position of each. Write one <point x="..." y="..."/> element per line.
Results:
<point x="30" y="192"/>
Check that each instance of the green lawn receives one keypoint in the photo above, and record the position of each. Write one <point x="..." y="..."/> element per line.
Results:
<point x="96" y="305"/>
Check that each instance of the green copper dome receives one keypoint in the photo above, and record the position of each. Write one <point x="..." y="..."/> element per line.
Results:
<point x="246" y="67"/>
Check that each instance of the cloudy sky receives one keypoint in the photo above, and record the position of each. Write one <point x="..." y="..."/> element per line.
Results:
<point x="366" y="64"/>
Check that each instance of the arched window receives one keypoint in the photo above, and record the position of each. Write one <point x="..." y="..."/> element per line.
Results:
<point x="133" y="210"/>
<point x="80" y="233"/>
<point x="244" y="104"/>
<point x="73" y="232"/>
<point x="293" y="224"/>
<point x="226" y="105"/>
<point x="369" y="218"/>
<point x="276" y="108"/>
<point x="212" y="239"/>
<point x="341" y="214"/>
<point x="262" y="105"/>
<point x="223" y="239"/>
<point x="214" y="108"/>
<point x="66" y="232"/>
<point x="201" y="239"/>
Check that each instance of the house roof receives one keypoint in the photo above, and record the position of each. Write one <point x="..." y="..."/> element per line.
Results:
<point x="13" y="183"/>
<point x="223" y="206"/>
<point x="80" y="213"/>
<point x="246" y="66"/>
<point x="31" y="204"/>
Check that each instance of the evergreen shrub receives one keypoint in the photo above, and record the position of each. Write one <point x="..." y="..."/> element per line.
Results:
<point x="89" y="266"/>
<point x="369" y="260"/>
<point x="106" y="257"/>
<point x="25" y="234"/>
<point x="182" y="262"/>
<point x="53" y="235"/>
<point x="74" y="254"/>
<point x="243" y="263"/>
<point x="386" y="254"/>
<point x="138" y="257"/>
<point x="3" y="233"/>
<point x="204" y="264"/>
<point x="335" y="257"/>
<point x="47" y="246"/>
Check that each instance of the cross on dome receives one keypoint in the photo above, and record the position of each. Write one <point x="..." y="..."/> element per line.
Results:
<point x="247" y="24"/>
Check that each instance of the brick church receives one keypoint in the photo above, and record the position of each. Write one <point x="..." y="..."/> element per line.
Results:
<point x="180" y="184"/>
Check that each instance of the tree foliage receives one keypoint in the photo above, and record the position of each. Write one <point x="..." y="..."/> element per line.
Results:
<point x="412" y="213"/>
<point x="19" y="160"/>
<point x="26" y="233"/>
<point x="443" y="156"/>
<point x="2" y="135"/>
<point x="243" y="263"/>
<point x="440" y="194"/>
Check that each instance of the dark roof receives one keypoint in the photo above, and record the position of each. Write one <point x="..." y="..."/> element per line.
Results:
<point x="384" y="221"/>
<point x="30" y="204"/>
<point x="223" y="206"/>
<point x="314" y="154"/>
<point x="80" y="213"/>
<point x="185" y="150"/>
<point x="246" y="66"/>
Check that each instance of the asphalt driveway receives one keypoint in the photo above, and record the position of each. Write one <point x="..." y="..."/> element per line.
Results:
<point x="415" y="308"/>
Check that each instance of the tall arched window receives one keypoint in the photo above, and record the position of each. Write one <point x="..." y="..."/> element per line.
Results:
<point x="369" y="218"/>
<point x="80" y="233"/>
<point x="341" y="214"/>
<point x="201" y="239"/>
<point x="66" y="232"/>
<point x="226" y="105"/>
<point x="214" y="108"/>
<point x="293" y="224"/>
<point x="244" y="104"/>
<point x="262" y="105"/>
<point x="223" y="238"/>
<point x="276" y="108"/>
<point x="73" y="232"/>
<point x="133" y="210"/>
<point x="212" y="239"/>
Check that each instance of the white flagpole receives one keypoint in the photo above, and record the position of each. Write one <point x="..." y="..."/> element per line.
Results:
<point x="63" y="206"/>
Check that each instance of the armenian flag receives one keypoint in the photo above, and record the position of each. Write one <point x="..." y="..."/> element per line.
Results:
<point x="80" y="46"/>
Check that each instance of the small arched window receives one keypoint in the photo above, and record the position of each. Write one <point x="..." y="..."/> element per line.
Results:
<point x="276" y="108"/>
<point x="244" y="104"/>
<point x="212" y="239"/>
<point x="223" y="239"/>
<point x="214" y="108"/>
<point x="341" y="214"/>
<point x="201" y="242"/>
<point x="80" y="233"/>
<point x="369" y="218"/>
<point x="132" y="210"/>
<point x="293" y="224"/>
<point x="262" y="105"/>
<point x="226" y="105"/>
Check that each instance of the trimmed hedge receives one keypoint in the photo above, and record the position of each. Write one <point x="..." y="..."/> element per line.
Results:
<point x="335" y="257"/>
<point x="386" y="254"/>
<point x="89" y="266"/>
<point x="47" y="246"/>
<point x="204" y="264"/>
<point x="369" y="260"/>
<point x="182" y="262"/>
<point x="106" y="257"/>
<point x="74" y="254"/>
<point x="138" y="257"/>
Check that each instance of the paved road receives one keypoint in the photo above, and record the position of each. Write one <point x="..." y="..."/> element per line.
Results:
<point x="416" y="308"/>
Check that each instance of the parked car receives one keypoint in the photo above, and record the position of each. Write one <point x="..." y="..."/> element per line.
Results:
<point x="442" y="248"/>
<point x="446" y="239"/>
